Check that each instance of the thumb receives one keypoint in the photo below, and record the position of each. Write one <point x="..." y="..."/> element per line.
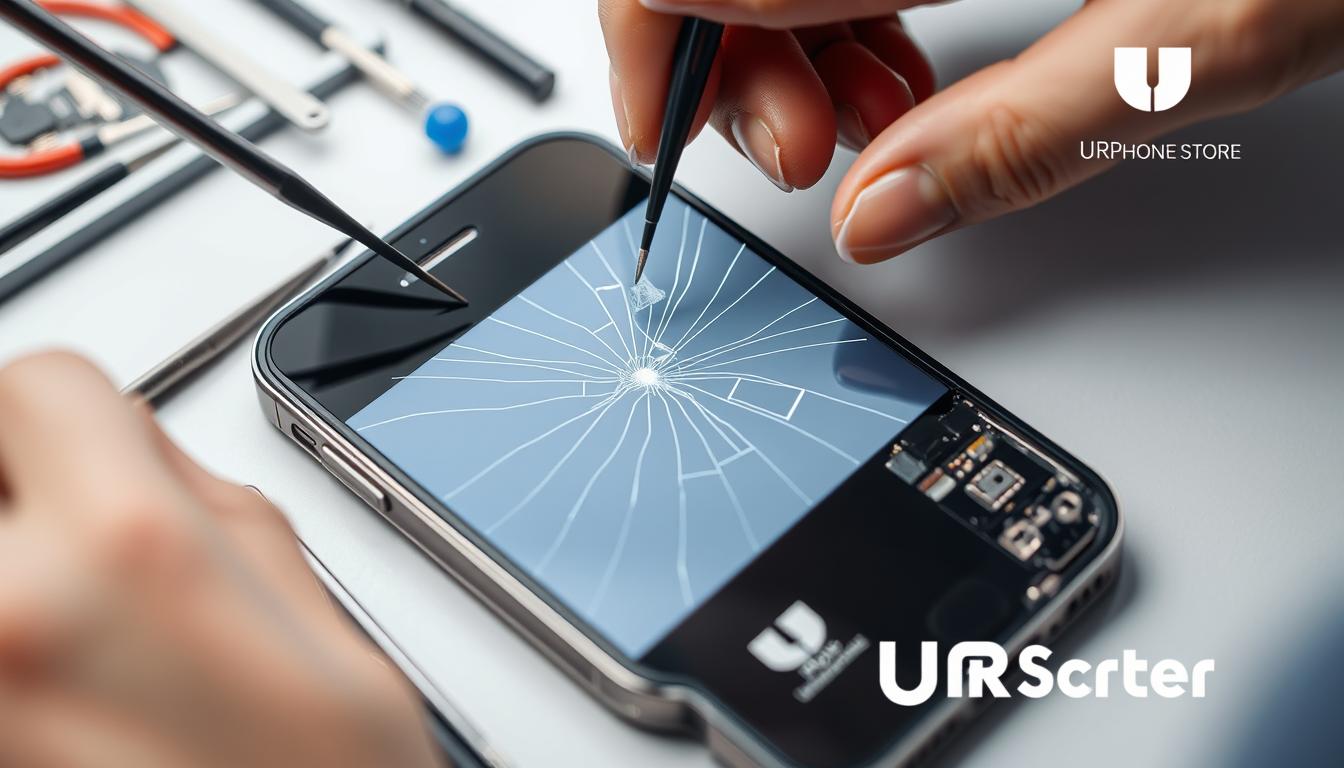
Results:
<point x="1009" y="136"/>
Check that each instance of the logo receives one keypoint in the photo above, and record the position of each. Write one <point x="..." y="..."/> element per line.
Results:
<point x="808" y="631"/>
<point x="798" y="643"/>
<point x="976" y="667"/>
<point x="1173" y="78"/>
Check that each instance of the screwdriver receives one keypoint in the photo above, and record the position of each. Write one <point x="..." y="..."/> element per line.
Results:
<point x="697" y="45"/>
<point x="445" y="124"/>
<point x="227" y="147"/>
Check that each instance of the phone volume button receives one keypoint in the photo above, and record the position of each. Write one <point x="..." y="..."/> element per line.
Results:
<point x="352" y="478"/>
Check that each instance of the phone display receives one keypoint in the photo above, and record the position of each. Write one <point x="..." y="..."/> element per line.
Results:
<point x="709" y="496"/>
<point x="633" y="448"/>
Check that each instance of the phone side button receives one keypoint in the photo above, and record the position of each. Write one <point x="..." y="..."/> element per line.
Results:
<point x="353" y="479"/>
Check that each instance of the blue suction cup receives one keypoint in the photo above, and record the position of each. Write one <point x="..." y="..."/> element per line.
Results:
<point x="447" y="125"/>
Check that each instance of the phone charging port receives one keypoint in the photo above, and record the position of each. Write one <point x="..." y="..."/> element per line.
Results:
<point x="306" y="440"/>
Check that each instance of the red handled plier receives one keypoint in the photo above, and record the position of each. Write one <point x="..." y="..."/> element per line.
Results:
<point x="44" y="161"/>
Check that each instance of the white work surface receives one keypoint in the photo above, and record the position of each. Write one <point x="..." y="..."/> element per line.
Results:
<point x="1176" y="325"/>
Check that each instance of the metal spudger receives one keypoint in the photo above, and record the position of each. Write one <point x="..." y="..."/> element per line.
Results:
<point x="161" y="380"/>
<point x="697" y="45"/>
<point x="225" y="146"/>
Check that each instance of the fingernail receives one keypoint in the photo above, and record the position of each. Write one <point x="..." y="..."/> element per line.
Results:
<point x="622" y="117"/>
<point x="255" y="490"/>
<point x="850" y="127"/>
<point x="758" y="144"/>
<point x="892" y="213"/>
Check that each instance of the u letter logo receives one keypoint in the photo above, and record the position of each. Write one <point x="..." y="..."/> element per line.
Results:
<point x="808" y="633"/>
<point x="1173" y="78"/>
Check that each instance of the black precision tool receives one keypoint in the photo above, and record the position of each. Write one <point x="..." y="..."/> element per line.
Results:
<point x="697" y="45"/>
<point x="51" y="211"/>
<point x="225" y="146"/>
<point x="523" y="70"/>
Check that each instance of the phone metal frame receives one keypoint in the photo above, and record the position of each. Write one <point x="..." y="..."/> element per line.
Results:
<point x="655" y="705"/>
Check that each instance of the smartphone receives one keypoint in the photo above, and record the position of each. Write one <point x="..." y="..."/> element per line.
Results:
<point x="708" y="497"/>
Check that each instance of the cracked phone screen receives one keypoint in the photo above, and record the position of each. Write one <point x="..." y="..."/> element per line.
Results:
<point x="632" y="449"/>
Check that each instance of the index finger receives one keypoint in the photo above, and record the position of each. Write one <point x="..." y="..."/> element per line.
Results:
<point x="640" y="44"/>
<point x="782" y="14"/>
<point x="68" y="437"/>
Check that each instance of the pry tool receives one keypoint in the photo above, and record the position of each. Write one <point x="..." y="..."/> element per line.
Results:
<point x="225" y="146"/>
<point x="445" y="124"/>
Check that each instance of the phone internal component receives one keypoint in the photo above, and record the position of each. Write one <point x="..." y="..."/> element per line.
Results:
<point x="1067" y="507"/>
<point x="905" y="466"/>
<point x="995" y="485"/>
<point x="1015" y="496"/>
<point x="937" y="485"/>
<point x="1022" y="539"/>
<point x="1045" y="586"/>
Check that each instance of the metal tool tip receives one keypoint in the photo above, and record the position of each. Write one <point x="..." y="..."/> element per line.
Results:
<point x="639" y="268"/>
<point x="444" y="288"/>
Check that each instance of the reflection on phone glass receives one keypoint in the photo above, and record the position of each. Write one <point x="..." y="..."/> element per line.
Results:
<point x="634" y="448"/>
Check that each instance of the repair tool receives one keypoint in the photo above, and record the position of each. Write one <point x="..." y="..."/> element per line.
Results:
<point x="57" y="157"/>
<point x="157" y="383"/>
<point x="445" y="124"/>
<point x="28" y="122"/>
<point x="51" y="211"/>
<point x="521" y="69"/>
<point x="225" y="146"/>
<point x="693" y="58"/>
<point x="85" y="228"/>
<point x="300" y="108"/>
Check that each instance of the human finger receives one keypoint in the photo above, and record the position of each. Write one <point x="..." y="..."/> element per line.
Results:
<point x="781" y="14"/>
<point x="255" y="526"/>
<point x="866" y="93"/>
<point x="69" y="437"/>
<point x="888" y="40"/>
<point x="773" y="107"/>
<point x="1008" y="137"/>
<point x="640" y="45"/>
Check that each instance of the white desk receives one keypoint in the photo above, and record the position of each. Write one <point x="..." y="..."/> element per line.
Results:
<point x="1176" y="325"/>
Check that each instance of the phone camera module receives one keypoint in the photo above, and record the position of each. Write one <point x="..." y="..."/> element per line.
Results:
<point x="994" y="485"/>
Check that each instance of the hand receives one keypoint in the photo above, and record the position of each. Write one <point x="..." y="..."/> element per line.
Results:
<point x="796" y="75"/>
<point x="154" y="615"/>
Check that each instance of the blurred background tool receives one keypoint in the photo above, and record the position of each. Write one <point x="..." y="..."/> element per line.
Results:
<point x="159" y="382"/>
<point x="101" y="219"/>
<point x="301" y="109"/>
<point x="51" y="211"/>
<point x="51" y="157"/>
<point x="225" y="146"/>
<point x="32" y="116"/>
<point x="445" y="124"/>
<point x="520" y="69"/>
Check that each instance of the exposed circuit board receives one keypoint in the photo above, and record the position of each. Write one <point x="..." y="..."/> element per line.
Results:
<point x="996" y="484"/>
